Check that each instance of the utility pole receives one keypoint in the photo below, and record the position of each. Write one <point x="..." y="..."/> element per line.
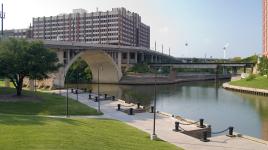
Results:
<point x="162" y="48"/>
<point x="2" y="16"/>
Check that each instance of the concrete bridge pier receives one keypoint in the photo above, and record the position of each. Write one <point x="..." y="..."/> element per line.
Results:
<point x="142" y="57"/>
<point x="234" y="70"/>
<point x="119" y="60"/>
<point x="245" y="69"/>
<point x="224" y="70"/>
<point x="216" y="70"/>
<point x="172" y="74"/>
<point x="152" y="58"/>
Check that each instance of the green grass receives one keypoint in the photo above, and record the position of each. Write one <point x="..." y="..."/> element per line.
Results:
<point x="2" y="83"/>
<point x="43" y="104"/>
<point x="22" y="128"/>
<point x="259" y="82"/>
<point x="42" y="133"/>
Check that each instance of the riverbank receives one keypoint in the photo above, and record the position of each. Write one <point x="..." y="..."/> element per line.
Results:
<point x="150" y="79"/>
<point x="165" y="125"/>
<point x="256" y="86"/>
<point x="255" y="91"/>
<point x="259" y="82"/>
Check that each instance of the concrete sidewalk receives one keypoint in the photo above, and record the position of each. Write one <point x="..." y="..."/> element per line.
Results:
<point x="165" y="126"/>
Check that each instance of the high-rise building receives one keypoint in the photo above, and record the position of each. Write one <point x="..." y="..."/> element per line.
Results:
<point x="265" y="28"/>
<point x="116" y="27"/>
<point x="18" y="33"/>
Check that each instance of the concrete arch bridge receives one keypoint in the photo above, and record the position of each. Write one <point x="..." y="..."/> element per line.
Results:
<point x="107" y="62"/>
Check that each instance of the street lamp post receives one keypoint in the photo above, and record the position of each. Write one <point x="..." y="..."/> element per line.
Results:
<point x="99" y="67"/>
<point x="67" y="99"/>
<point x="77" y="77"/>
<point x="67" y="91"/>
<point x="154" y="136"/>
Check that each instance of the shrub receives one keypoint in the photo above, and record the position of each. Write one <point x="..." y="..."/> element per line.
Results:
<point x="251" y="77"/>
<point x="139" y="68"/>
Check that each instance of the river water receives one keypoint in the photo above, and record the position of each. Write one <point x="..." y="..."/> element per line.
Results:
<point x="220" y="108"/>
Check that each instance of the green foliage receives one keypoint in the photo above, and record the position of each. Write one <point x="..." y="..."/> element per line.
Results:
<point x="194" y="70"/>
<point x="44" y="133"/>
<point x="79" y="69"/>
<point x="250" y="59"/>
<point x="250" y="77"/>
<point x="20" y="58"/>
<point x="236" y="59"/>
<point x="140" y="68"/>
<point x="263" y="66"/>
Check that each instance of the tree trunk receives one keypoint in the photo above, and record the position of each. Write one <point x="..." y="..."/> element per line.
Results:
<point x="19" y="87"/>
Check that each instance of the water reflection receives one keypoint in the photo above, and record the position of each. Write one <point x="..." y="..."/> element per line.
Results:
<point x="261" y="105"/>
<point x="208" y="100"/>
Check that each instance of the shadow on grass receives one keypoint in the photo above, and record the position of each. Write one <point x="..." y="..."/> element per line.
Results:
<point x="22" y="120"/>
<point x="38" y="103"/>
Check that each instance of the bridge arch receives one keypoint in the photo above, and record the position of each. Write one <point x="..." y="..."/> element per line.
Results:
<point x="109" y="72"/>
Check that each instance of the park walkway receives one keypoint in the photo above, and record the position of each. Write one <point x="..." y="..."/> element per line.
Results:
<point x="164" y="126"/>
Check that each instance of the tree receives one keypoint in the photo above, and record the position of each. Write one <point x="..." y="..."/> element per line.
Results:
<point x="236" y="59"/>
<point x="20" y="58"/>
<point x="79" y="66"/>
<point x="263" y="65"/>
<point x="250" y="59"/>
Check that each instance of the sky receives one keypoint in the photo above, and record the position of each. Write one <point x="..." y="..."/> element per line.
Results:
<point x="206" y="25"/>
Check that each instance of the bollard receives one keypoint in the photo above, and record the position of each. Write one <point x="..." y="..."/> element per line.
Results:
<point x="201" y="123"/>
<point x="204" y="137"/>
<point x="177" y="125"/>
<point x="89" y="96"/>
<point x="152" y="109"/>
<point x="138" y="105"/>
<point x="130" y="111"/>
<point x="113" y="98"/>
<point x="105" y="96"/>
<point x="118" y="107"/>
<point x="231" y="132"/>
<point x="96" y="99"/>
<point x="72" y="90"/>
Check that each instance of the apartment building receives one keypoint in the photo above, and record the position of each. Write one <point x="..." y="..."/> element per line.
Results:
<point x="116" y="27"/>
<point x="18" y="33"/>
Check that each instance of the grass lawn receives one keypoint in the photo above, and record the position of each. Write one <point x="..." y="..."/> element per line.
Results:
<point x="41" y="104"/>
<point x="259" y="82"/>
<point x="20" y="130"/>
<point x="42" y="133"/>
<point x="2" y="83"/>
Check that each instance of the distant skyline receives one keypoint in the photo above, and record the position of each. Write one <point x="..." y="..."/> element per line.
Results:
<point x="206" y="25"/>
